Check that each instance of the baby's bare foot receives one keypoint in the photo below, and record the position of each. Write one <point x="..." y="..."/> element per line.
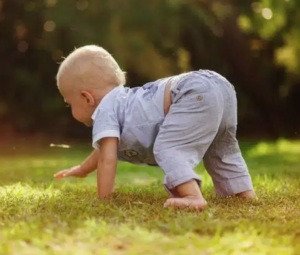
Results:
<point x="250" y="194"/>
<point x="185" y="202"/>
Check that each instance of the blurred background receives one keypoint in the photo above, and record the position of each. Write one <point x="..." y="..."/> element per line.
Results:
<point x="254" y="44"/>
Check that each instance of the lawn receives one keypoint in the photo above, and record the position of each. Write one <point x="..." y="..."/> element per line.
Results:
<point x="40" y="215"/>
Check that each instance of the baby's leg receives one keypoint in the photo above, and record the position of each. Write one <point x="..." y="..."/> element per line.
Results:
<point x="189" y="196"/>
<point x="184" y="137"/>
<point x="223" y="160"/>
<point x="228" y="170"/>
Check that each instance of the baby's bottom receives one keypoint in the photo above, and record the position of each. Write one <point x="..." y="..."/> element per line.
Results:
<point x="201" y="125"/>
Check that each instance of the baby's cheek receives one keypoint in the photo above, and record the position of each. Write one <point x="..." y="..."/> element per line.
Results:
<point x="76" y="115"/>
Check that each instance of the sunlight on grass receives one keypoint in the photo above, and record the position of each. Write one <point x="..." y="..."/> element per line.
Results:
<point x="141" y="181"/>
<point x="281" y="146"/>
<point x="26" y="190"/>
<point x="97" y="236"/>
<point x="40" y="215"/>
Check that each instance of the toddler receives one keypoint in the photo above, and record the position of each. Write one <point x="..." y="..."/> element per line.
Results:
<point x="173" y="123"/>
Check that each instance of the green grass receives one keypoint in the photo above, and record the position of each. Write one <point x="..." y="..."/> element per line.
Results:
<point x="39" y="215"/>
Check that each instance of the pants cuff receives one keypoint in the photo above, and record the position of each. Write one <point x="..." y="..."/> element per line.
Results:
<point x="233" y="186"/>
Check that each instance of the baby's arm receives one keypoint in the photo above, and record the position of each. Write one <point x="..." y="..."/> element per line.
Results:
<point x="107" y="165"/>
<point x="89" y="165"/>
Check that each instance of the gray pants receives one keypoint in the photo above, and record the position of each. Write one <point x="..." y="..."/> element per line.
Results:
<point x="201" y="124"/>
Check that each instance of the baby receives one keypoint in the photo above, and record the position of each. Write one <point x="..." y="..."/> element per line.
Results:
<point x="173" y="123"/>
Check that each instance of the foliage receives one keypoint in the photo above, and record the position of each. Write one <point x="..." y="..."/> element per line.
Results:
<point x="253" y="43"/>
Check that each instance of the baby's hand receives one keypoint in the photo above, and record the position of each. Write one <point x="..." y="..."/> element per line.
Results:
<point x="74" y="171"/>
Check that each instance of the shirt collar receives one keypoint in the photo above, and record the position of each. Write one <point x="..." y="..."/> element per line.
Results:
<point x="95" y="112"/>
<point x="99" y="105"/>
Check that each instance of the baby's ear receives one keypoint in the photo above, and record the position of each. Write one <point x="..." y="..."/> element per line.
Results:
<point x="88" y="97"/>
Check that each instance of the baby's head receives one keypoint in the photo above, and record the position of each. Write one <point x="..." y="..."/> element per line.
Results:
<point x="85" y="77"/>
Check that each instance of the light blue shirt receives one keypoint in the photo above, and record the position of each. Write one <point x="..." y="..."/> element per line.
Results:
<point x="134" y="116"/>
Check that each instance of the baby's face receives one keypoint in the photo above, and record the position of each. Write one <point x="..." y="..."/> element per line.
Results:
<point x="79" y="101"/>
<point x="81" y="110"/>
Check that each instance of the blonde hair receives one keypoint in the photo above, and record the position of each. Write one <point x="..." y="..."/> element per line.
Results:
<point x="92" y="66"/>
